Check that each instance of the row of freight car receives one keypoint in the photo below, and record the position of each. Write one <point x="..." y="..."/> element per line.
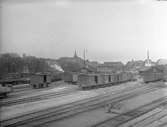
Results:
<point x="148" y="74"/>
<point x="92" y="80"/>
<point x="38" y="80"/>
<point x="83" y="80"/>
<point x="24" y="78"/>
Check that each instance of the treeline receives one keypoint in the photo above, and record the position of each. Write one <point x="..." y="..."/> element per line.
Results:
<point x="14" y="63"/>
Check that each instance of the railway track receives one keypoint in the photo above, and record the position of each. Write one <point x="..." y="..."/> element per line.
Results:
<point x="16" y="101"/>
<point x="120" y="119"/>
<point x="56" y="113"/>
<point x="20" y="90"/>
<point x="45" y="96"/>
<point x="36" y="98"/>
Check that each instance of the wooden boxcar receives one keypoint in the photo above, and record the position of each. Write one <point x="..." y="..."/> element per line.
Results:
<point x="56" y="76"/>
<point x="70" y="77"/>
<point x="89" y="80"/>
<point x="151" y="74"/>
<point x="98" y="79"/>
<point x="123" y="77"/>
<point x="40" y="80"/>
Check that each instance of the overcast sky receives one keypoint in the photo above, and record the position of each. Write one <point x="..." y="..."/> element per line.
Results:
<point x="110" y="31"/>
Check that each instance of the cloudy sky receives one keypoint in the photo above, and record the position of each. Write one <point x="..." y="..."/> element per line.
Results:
<point x="109" y="30"/>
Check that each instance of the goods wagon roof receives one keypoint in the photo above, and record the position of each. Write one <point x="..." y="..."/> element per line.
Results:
<point x="41" y="74"/>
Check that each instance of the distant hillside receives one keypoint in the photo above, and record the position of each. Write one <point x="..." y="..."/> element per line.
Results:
<point x="74" y="64"/>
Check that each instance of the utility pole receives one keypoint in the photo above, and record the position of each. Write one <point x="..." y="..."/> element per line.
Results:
<point x="148" y="55"/>
<point x="84" y="58"/>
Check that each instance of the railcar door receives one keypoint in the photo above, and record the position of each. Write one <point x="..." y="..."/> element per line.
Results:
<point x="96" y="79"/>
<point x="44" y="78"/>
<point x="109" y="78"/>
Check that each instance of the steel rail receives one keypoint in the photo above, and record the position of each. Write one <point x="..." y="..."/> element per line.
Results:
<point x="36" y="98"/>
<point x="56" y="113"/>
<point x="133" y="114"/>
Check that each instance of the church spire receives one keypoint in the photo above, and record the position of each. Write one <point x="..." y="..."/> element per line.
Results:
<point x="148" y="61"/>
<point x="75" y="54"/>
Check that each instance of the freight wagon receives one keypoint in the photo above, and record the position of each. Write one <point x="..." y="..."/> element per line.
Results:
<point x="56" y="76"/>
<point x="98" y="80"/>
<point x="15" y="81"/>
<point x="70" y="77"/>
<point x="151" y="74"/>
<point x="15" y="78"/>
<point x="40" y="80"/>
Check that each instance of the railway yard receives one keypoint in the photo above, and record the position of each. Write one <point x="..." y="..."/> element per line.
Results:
<point x="76" y="63"/>
<point x="125" y="105"/>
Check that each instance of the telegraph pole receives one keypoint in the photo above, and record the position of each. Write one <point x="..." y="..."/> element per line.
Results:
<point x="84" y="58"/>
<point x="148" y="57"/>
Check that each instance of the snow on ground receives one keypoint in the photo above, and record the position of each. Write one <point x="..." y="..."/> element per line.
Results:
<point x="26" y="88"/>
<point x="154" y="118"/>
<point x="42" y="92"/>
<point x="142" y="100"/>
<point x="16" y="110"/>
<point x="86" y="119"/>
<point x="142" y="118"/>
<point x="92" y="117"/>
<point x="21" y="86"/>
<point x="118" y="88"/>
<point x="20" y="109"/>
<point x="58" y="89"/>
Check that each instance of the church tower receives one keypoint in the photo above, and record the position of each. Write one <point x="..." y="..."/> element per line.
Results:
<point x="75" y="54"/>
<point x="148" y="61"/>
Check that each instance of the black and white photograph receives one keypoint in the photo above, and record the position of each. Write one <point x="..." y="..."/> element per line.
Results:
<point x="83" y="63"/>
